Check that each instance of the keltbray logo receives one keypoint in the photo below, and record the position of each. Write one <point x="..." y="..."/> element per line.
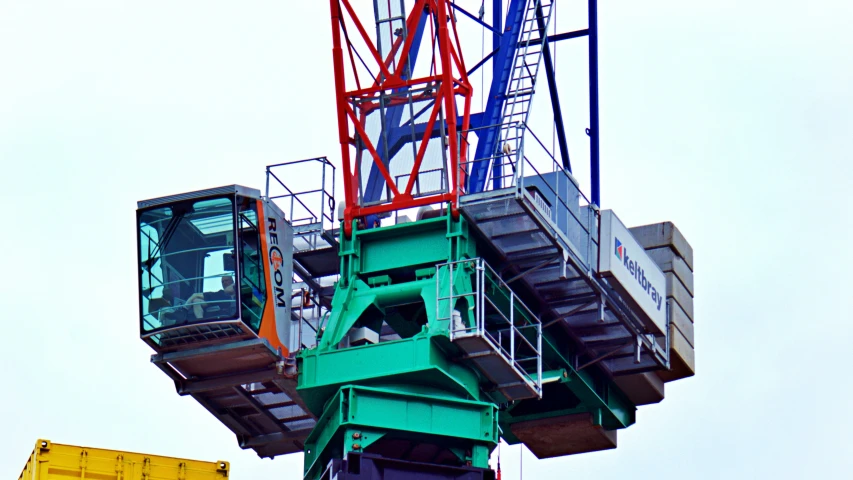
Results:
<point x="636" y="271"/>
<point x="620" y="250"/>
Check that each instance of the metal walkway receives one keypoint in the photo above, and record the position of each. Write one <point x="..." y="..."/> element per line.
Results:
<point x="504" y="342"/>
<point x="250" y="388"/>
<point x="542" y="234"/>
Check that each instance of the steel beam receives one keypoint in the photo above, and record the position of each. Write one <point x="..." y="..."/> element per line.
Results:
<point x="189" y="387"/>
<point x="555" y="97"/>
<point x="593" y="103"/>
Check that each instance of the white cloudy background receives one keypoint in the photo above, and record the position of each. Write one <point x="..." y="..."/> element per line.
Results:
<point x="730" y="118"/>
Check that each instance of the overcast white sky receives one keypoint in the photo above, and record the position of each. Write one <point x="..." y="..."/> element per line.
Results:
<point x="730" y="118"/>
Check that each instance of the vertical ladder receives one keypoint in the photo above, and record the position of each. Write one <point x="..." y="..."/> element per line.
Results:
<point x="522" y="82"/>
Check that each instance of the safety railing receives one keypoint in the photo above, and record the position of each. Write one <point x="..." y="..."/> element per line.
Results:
<point x="392" y="133"/>
<point x="310" y="208"/>
<point x="499" y="317"/>
<point x="540" y="182"/>
<point x="425" y="182"/>
<point x="307" y="315"/>
<point x="544" y="183"/>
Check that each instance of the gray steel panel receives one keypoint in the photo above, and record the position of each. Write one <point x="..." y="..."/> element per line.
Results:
<point x="501" y="225"/>
<point x="586" y="318"/>
<point x="210" y="192"/>
<point x="522" y="242"/>
<point x="604" y="334"/>
<point x="495" y="367"/>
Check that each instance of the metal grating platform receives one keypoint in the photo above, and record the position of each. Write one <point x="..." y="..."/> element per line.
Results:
<point x="504" y="342"/>
<point x="550" y="243"/>
<point x="247" y="386"/>
<point x="207" y="333"/>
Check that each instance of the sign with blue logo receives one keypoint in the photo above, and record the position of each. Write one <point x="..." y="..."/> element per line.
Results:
<point x="637" y="278"/>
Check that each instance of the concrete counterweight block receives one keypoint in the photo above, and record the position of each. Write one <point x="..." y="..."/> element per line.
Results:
<point x="666" y="245"/>
<point x="664" y="234"/>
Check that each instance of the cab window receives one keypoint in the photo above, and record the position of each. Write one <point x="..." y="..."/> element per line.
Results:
<point x="252" y="285"/>
<point x="186" y="263"/>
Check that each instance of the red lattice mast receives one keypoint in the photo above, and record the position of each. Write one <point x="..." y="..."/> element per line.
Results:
<point x="385" y="86"/>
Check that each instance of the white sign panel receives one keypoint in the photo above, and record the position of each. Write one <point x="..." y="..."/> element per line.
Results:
<point x="279" y="244"/>
<point x="637" y="277"/>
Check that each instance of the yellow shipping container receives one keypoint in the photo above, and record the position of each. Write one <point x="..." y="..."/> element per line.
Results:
<point x="53" y="461"/>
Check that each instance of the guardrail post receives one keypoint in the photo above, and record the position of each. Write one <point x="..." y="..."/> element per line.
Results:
<point x="539" y="357"/>
<point x="511" y="327"/>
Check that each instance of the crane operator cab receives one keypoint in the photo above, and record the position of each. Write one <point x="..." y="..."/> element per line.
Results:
<point x="215" y="283"/>
<point x="214" y="268"/>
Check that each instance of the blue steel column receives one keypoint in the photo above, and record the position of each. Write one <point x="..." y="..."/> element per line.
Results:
<point x="552" y="88"/>
<point x="497" y="25"/>
<point x="593" y="102"/>
<point x="501" y="65"/>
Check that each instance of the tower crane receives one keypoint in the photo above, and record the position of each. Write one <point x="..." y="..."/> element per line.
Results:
<point x="464" y="291"/>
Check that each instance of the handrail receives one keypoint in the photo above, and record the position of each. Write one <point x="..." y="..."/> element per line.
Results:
<point x="484" y="277"/>
<point x="498" y="179"/>
<point x="322" y="213"/>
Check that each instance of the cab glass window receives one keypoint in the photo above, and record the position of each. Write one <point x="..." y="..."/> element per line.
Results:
<point x="187" y="263"/>
<point x="252" y="285"/>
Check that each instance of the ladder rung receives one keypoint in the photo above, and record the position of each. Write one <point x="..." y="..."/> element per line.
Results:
<point x="521" y="93"/>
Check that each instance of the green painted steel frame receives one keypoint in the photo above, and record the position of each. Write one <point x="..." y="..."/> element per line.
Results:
<point x="389" y="274"/>
<point x="356" y="417"/>
<point x="399" y="255"/>
<point x="416" y="361"/>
